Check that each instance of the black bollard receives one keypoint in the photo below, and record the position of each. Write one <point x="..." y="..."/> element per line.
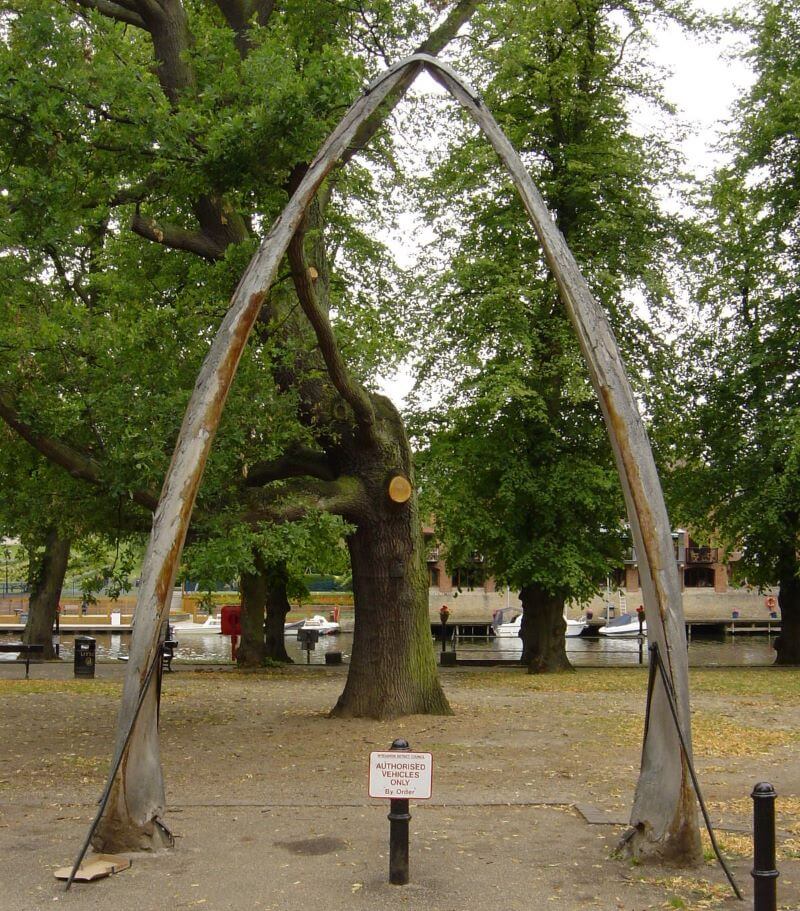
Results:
<point x="640" y="618"/>
<point x="398" y="830"/>
<point x="764" y="873"/>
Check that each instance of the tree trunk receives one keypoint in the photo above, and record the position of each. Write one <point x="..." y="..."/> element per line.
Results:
<point x="277" y="609"/>
<point x="252" y="650"/>
<point x="48" y="579"/>
<point x="542" y="631"/>
<point x="787" y="645"/>
<point x="393" y="665"/>
<point x="264" y="609"/>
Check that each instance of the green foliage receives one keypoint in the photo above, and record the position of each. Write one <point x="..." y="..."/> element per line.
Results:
<point x="102" y="332"/>
<point x="103" y="566"/>
<point x="222" y="556"/>
<point x="735" y="446"/>
<point x="517" y="466"/>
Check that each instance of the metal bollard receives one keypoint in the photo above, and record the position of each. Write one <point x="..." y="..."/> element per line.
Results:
<point x="640" y="618"/>
<point x="398" y="830"/>
<point x="764" y="874"/>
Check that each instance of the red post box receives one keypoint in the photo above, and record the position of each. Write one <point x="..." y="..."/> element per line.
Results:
<point x="231" y="620"/>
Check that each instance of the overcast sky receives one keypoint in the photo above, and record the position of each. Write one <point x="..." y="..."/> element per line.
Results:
<point x="704" y="83"/>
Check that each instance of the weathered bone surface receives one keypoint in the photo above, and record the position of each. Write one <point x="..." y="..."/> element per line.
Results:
<point x="664" y="811"/>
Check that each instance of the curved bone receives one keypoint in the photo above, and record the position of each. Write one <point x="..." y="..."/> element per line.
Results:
<point x="663" y="806"/>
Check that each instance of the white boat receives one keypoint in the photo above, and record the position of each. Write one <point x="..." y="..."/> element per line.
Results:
<point x="214" y="625"/>
<point x="508" y="630"/>
<point x="626" y="625"/>
<point x="318" y="622"/>
<point x="211" y="625"/>
<point x="575" y="627"/>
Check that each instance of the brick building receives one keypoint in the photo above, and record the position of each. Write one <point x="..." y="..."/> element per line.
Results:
<point x="698" y="567"/>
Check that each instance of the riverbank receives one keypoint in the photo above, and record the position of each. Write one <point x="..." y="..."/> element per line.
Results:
<point x="533" y="778"/>
<point x="703" y="606"/>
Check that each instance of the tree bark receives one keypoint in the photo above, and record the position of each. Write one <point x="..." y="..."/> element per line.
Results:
<point x="264" y="609"/>
<point x="393" y="666"/>
<point x="277" y="609"/>
<point x="787" y="645"/>
<point x="542" y="631"/>
<point x="169" y="30"/>
<point x="48" y="580"/>
<point x="252" y="650"/>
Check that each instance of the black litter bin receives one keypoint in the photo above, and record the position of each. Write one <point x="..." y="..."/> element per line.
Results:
<point x="85" y="648"/>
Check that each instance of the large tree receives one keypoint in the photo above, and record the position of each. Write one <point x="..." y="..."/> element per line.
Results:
<point x="34" y="513"/>
<point x="180" y="167"/>
<point x="50" y="512"/>
<point x="736" y="448"/>
<point x="517" y="462"/>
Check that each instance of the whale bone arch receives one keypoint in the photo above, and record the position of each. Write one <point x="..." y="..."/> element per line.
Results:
<point x="664" y="811"/>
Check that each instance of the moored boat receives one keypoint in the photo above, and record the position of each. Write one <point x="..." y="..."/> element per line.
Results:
<point x="575" y="627"/>
<point x="214" y="625"/>
<point x="627" y="625"/>
<point x="509" y="630"/>
<point x="318" y="622"/>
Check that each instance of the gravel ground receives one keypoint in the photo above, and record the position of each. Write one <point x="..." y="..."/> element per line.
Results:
<point x="267" y="795"/>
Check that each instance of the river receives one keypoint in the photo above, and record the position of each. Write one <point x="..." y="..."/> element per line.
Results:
<point x="737" y="651"/>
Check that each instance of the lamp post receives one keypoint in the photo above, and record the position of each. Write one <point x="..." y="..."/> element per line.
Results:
<point x="444" y="614"/>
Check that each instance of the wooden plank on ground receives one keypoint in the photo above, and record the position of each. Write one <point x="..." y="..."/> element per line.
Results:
<point x="97" y="866"/>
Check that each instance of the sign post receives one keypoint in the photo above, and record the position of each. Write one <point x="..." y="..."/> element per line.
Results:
<point x="399" y="775"/>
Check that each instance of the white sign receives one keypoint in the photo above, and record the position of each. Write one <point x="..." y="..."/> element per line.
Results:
<point x="400" y="775"/>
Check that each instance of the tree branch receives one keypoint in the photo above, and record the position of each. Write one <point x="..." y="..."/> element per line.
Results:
<point x="136" y="193"/>
<point x="438" y="39"/>
<point x="236" y="14"/>
<point x="350" y="391"/>
<point x="263" y="10"/>
<point x="176" y="238"/>
<point x="167" y="22"/>
<point x="117" y="11"/>
<point x="296" y="463"/>
<point x="344" y="497"/>
<point x="131" y="5"/>
<point x="71" y="285"/>
<point x="72" y="460"/>
<point x="239" y="15"/>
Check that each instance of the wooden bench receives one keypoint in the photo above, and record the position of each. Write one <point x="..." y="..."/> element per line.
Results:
<point x="23" y="649"/>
